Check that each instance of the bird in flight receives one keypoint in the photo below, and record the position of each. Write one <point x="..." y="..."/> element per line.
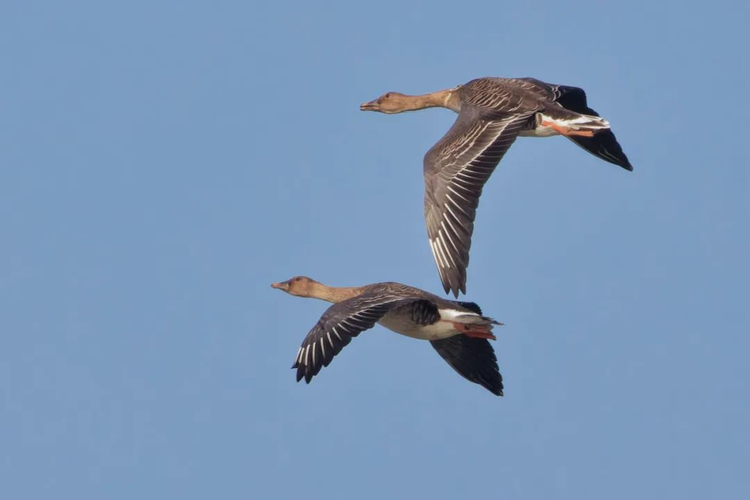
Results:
<point x="492" y="112"/>
<point x="457" y="330"/>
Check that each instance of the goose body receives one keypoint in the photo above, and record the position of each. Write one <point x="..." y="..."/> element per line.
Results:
<point x="492" y="113"/>
<point x="457" y="330"/>
<point x="403" y="320"/>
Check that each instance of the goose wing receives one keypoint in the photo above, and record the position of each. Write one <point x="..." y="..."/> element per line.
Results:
<point x="338" y="325"/>
<point x="603" y="144"/>
<point x="455" y="171"/>
<point x="474" y="359"/>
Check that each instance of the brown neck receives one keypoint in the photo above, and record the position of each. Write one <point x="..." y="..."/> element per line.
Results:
<point x="332" y="293"/>
<point x="447" y="98"/>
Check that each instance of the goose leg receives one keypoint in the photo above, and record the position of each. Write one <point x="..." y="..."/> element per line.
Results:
<point x="475" y="331"/>
<point x="567" y="131"/>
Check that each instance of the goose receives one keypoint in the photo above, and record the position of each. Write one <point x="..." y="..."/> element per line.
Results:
<point x="492" y="112"/>
<point x="457" y="330"/>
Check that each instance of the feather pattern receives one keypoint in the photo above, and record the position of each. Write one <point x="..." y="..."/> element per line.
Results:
<point x="406" y="310"/>
<point x="473" y="359"/>
<point x="492" y="113"/>
<point x="603" y="144"/>
<point x="336" y="328"/>
<point x="456" y="170"/>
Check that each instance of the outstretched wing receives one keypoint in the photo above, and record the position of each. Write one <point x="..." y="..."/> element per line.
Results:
<point x="603" y="144"/>
<point x="336" y="328"/>
<point x="474" y="359"/>
<point x="455" y="171"/>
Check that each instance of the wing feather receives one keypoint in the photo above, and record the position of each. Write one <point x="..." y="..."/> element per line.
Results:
<point x="338" y="325"/>
<point x="456" y="170"/>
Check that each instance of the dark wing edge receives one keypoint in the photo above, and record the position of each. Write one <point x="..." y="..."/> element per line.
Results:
<point x="604" y="144"/>
<point x="472" y="306"/>
<point x="474" y="359"/>
<point x="336" y="328"/>
<point x="456" y="170"/>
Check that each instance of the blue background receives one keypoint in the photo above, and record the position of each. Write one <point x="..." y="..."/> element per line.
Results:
<point x="161" y="163"/>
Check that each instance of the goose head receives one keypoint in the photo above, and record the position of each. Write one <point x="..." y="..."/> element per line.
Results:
<point x="390" y="103"/>
<point x="301" y="286"/>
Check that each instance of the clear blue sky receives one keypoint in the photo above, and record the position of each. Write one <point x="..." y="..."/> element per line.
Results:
<point x="161" y="163"/>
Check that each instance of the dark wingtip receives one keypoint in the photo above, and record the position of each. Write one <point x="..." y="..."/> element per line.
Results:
<point x="497" y="390"/>
<point x="496" y="386"/>
<point x="450" y="289"/>
<point x="620" y="160"/>
<point x="623" y="162"/>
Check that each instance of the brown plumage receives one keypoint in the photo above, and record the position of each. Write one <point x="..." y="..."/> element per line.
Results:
<point x="492" y="112"/>
<point x="457" y="330"/>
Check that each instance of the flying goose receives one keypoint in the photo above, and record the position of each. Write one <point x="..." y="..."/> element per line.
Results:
<point x="457" y="330"/>
<point x="492" y="112"/>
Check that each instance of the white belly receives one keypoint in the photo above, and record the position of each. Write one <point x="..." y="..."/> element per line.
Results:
<point x="399" y="324"/>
